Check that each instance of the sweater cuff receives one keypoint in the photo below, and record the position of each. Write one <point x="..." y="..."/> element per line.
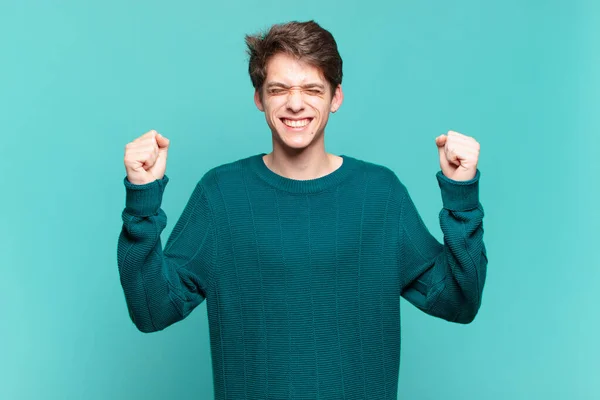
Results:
<point x="459" y="195"/>
<point x="144" y="200"/>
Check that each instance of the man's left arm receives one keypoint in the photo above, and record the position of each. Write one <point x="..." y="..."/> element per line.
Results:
<point x="446" y="280"/>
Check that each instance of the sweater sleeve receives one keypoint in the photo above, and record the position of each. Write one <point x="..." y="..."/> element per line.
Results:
<point x="445" y="280"/>
<point x="162" y="287"/>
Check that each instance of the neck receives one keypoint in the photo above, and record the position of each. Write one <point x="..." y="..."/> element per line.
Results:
<point x="304" y="164"/>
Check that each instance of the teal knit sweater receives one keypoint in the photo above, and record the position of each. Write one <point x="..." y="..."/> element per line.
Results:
<point x="301" y="278"/>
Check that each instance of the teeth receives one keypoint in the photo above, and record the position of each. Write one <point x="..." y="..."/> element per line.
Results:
<point x="296" y="124"/>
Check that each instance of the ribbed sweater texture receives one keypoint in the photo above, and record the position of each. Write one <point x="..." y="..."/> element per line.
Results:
<point x="301" y="278"/>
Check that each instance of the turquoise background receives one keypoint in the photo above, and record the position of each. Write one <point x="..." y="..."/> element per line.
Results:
<point x="78" y="80"/>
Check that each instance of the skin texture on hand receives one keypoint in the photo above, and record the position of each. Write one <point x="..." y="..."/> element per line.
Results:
<point x="459" y="155"/>
<point x="146" y="158"/>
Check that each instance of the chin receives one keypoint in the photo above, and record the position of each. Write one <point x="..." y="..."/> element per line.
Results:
<point x="300" y="144"/>
<point x="297" y="141"/>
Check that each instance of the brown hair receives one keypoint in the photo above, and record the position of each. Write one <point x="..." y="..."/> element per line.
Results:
<point x="307" y="41"/>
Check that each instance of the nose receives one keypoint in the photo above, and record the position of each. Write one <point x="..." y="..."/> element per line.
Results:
<point x="295" y="102"/>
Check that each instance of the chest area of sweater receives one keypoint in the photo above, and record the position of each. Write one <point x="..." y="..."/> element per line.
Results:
<point x="329" y="237"/>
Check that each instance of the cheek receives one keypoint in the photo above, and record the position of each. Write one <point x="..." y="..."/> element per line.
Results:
<point x="319" y="105"/>
<point x="274" y="106"/>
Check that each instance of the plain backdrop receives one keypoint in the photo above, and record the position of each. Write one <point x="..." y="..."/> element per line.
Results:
<point x="79" y="79"/>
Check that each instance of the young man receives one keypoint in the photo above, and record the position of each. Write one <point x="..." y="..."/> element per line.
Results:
<point x="301" y="254"/>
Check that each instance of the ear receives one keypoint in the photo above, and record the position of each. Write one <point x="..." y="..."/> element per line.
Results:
<point x="337" y="99"/>
<point x="258" y="101"/>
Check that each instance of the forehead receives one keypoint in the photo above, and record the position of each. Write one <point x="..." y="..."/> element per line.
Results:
<point x="287" y="69"/>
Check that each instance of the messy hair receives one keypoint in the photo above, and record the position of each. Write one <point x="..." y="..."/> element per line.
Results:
<point x="307" y="41"/>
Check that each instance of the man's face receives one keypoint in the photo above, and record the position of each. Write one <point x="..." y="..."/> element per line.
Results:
<point x="296" y="100"/>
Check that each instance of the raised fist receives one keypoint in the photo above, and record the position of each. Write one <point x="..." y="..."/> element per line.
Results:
<point x="459" y="155"/>
<point x="146" y="158"/>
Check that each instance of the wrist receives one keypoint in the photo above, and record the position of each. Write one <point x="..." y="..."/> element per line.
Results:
<point x="144" y="199"/>
<point x="459" y="195"/>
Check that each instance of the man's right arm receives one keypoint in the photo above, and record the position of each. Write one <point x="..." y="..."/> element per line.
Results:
<point x="163" y="287"/>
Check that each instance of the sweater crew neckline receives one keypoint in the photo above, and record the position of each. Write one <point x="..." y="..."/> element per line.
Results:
<point x="281" y="182"/>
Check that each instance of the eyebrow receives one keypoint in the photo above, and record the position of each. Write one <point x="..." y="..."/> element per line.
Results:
<point x="307" y="86"/>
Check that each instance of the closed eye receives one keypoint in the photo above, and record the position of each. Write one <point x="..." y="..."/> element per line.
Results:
<point x="276" y="91"/>
<point x="313" y="92"/>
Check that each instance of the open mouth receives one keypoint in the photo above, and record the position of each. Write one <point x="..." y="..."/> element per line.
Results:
<point x="296" y="123"/>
